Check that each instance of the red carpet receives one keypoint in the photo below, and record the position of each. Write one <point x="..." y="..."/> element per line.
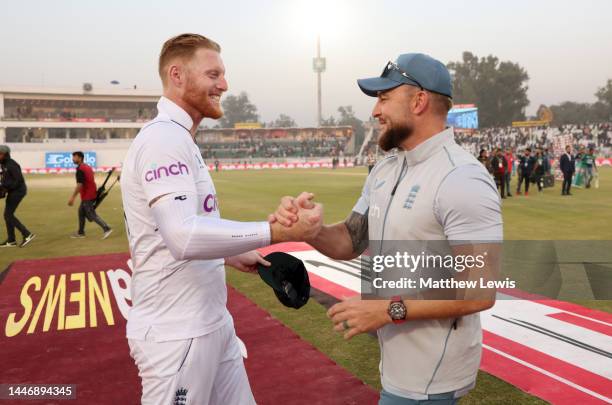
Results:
<point x="282" y="368"/>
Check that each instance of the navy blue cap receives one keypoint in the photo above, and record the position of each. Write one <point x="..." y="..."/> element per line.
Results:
<point x="414" y="69"/>
<point x="288" y="278"/>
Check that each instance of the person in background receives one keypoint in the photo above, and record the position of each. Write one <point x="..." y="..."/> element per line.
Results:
<point x="568" y="167"/>
<point x="499" y="165"/>
<point x="579" y="172"/>
<point x="483" y="158"/>
<point x="510" y="159"/>
<point x="588" y="162"/>
<point x="538" y="170"/>
<point x="579" y="155"/>
<point x="371" y="162"/>
<point x="13" y="187"/>
<point x="86" y="187"/>
<point x="519" y="173"/>
<point x="546" y="162"/>
<point x="526" y="164"/>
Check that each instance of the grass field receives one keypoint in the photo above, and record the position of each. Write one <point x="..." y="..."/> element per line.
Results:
<point x="251" y="195"/>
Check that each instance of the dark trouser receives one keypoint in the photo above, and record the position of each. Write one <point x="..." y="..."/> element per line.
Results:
<point x="12" y="202"/>
<point x="500" y="180"/>
<point x="589" y="176"/>
<point x="523" y="178"/>
<point x="370" y="167"/>
<point x="567" y="183"/>
<point x="507" y="179"/>
<point x="87" y="210"/>
<point x="538" y="179"/>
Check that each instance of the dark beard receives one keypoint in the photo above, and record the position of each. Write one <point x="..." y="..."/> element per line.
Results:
<point x="393" y="137"/>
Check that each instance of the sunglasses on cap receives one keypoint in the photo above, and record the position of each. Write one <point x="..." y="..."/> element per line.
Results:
<point x="392" y="66"/>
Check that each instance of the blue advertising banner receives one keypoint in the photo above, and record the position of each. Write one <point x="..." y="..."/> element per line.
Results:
<point x="463" y="118"/>
<point x="63" y="160"/>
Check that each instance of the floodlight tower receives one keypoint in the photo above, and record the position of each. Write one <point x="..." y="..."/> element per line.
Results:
<point x="318" y="65"/>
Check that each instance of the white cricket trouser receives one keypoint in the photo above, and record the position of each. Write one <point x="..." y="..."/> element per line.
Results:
<point x="206" y="370"/>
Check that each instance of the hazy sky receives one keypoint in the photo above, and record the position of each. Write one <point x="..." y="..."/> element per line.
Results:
<point x="565" y="46"/>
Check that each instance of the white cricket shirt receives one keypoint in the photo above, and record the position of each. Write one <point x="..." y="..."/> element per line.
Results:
<point x="173" y="299"/>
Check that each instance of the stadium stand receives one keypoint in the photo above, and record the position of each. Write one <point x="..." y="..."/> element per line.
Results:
<point x="276" y="142"/>
<point x="105" y="121"/>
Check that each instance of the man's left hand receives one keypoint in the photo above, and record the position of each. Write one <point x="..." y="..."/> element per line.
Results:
<point x="247" y="262"/>
<point x="359" y="316"/>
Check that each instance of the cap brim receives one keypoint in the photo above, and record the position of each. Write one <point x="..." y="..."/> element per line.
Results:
<point x="373" y="85"/>
<point x="267" y="275"/>
<point x="277" y="260"/>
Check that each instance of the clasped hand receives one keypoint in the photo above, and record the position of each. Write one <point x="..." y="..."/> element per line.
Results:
<point x="296" y="219"/>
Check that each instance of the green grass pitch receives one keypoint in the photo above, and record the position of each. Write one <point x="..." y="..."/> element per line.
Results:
<point x="251" y="195"/>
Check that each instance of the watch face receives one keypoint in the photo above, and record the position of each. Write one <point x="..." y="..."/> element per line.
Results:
<point x="397" y="311"/>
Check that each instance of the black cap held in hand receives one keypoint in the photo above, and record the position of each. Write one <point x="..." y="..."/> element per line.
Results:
<point x="288" y="278"/>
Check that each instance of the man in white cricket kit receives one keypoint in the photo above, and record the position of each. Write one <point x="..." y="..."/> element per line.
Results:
<point x="180" y="334"/>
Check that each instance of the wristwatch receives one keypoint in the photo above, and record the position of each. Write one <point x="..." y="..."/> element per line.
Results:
<point x="397" y="310"/>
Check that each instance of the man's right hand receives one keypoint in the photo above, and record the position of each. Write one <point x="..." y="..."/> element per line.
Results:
<point x="296" y="219"/>
<point x="287" y="212"/>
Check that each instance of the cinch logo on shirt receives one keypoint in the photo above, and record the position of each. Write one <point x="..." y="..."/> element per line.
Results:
<point x="175" y="169"/>
<point x="412" y="196"/>
<point x="210" y="203"/>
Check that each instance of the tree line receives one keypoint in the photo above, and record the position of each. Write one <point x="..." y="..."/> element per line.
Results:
<point x="498" y="88"/>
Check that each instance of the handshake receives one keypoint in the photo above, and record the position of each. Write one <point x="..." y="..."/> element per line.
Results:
<point x="297" y="219"/>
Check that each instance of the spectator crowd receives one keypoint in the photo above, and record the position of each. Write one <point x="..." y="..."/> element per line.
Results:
<point x="260" y="147"/>
<point x="587" y="135"/>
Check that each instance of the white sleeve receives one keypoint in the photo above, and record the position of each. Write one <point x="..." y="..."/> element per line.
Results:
<point x="189" y="236"/>
<point x="164" y="164"/>
<point x="468" y="207"/>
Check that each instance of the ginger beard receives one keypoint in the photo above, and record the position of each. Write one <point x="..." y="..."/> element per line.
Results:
<point x="202" y="98"/>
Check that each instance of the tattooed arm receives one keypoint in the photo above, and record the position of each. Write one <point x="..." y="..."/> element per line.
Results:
<point x="344" y="240"/>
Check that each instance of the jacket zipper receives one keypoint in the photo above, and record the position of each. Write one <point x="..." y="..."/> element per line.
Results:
<point x="399" y="179"/>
